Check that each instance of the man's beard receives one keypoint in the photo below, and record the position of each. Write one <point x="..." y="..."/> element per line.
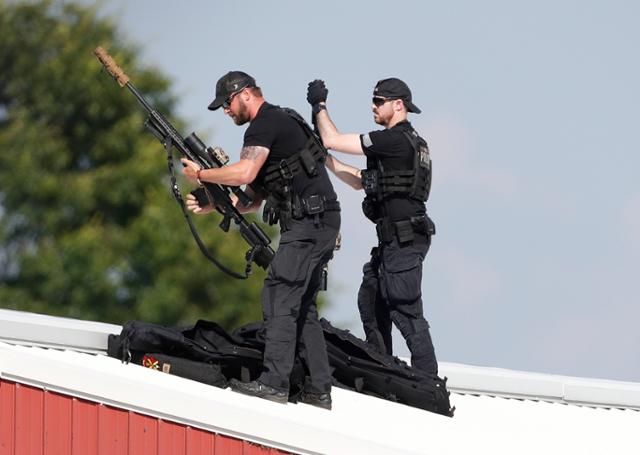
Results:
<point x="242" y="117"/>
<point x="379" y="119"/>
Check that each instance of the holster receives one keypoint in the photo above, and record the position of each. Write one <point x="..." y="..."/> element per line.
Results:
<point x="404" y="230"/>
<point x="370" y="209"/>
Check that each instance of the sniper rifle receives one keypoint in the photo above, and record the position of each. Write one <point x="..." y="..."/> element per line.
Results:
<point x="195" y="150"/>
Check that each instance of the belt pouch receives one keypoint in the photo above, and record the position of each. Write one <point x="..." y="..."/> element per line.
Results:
<point x="404" y="231"/>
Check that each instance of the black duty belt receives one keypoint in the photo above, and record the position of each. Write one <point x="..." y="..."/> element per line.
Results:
<point x="404" y="230"/>
<point x="313" y="205"/>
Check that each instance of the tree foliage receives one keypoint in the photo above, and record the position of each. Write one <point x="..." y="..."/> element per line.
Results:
<point x="88" y="227"/>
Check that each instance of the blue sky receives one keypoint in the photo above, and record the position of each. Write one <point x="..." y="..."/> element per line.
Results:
<point x="530" y="110"/>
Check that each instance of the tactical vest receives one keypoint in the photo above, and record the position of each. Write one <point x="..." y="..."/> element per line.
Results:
<point x="380" y="184"/>
<point x="281" y="204"/>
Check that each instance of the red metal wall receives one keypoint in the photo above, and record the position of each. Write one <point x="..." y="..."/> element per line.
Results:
<point x="38" y="422"/>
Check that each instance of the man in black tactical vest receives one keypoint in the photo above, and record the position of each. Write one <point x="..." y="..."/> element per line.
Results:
<point x="396" y="182"/>
<point x="282" y="162"/>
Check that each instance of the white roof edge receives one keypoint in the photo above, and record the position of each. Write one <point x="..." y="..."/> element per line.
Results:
<point x="32" y="329"/>
<point x="19" y="327"/>
<point x="540" y="386"/>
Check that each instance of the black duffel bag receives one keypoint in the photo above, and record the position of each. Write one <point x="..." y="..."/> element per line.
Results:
<point x="207" y="353"/>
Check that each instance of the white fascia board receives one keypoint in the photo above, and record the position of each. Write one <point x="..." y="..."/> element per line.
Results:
<point x="594" y="393"/>
<point x="53" y="331"/>
<point x="538" y="386"/>
<point x="485" y="380"/>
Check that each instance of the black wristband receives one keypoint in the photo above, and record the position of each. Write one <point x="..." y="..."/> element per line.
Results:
<point x="317" y="108"/>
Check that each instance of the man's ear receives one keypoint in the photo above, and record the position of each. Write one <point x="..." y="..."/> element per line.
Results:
<point x="398" y="106"/>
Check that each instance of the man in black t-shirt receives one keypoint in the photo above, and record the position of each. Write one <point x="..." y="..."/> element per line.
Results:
<point x="282" y="161"/>
<point x="397" y="183"/>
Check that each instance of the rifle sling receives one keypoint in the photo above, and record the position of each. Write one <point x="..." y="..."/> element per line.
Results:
<point x="168" y="144"/>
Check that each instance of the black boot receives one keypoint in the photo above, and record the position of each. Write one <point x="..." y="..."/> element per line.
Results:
<point x="258" y="389"/>
<point x="321" y="400"/>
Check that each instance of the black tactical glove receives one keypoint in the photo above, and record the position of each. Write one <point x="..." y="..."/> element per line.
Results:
<point x="201" y="196"/>
<point x="317" y="92"/>
<point x="203" y="200"/>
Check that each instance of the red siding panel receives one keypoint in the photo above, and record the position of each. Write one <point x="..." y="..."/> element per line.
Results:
<point x="57" y="424"/>
<point x="37" y="422"/>
<point x="143" y="435"/>
<point x="254" y="449"/>
<point x="7" y="417"/>
<point x="228" y="446"/>
<point x="200" y="442"/>
<point x="29" y="420"/>
<point x="113" y="430"/>
<point x="84" y="430"/>
<point x="171" y="438"/>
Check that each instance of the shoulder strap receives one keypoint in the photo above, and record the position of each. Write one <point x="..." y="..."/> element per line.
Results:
<point x="305" y="159"/>
<point x="412" y="137"/>
<point x="301" y="121"/>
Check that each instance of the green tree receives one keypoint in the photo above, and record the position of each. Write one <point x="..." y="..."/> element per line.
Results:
<point x="88" y="227"/>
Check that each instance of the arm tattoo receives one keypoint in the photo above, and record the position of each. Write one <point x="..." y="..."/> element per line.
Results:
<point x="252" y="152"/>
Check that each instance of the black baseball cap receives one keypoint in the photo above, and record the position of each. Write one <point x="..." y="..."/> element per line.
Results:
<point x="232" y="82"/>
<point x="394" y="88"/>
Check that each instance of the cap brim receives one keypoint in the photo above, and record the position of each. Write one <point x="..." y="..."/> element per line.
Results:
<point x="411" y="107"/>
<point x="216" y="103"/>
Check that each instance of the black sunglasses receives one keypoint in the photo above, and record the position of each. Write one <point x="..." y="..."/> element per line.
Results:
<point x="227" y="103"/>
<point x="379" y="101"/>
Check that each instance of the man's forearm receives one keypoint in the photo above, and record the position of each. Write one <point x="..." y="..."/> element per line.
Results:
<point x="333" y="139"/>
<point x="326" y="127"/>
<point x="256" y="202"/>
<point x="253" y="207"/>
<point x="348" y="174"/>
<point x="232" y="175"/>
<point x="252" y="157"/>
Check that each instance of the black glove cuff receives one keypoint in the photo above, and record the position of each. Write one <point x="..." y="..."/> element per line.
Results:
<point x="317" y="108"/>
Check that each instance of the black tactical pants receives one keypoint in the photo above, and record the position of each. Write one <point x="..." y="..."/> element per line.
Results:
<point x="391" y="292"/>
<point x="289" y="303"/>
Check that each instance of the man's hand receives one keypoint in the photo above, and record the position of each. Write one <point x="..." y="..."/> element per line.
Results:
<point x="190" y="170"/>
<point x="317" y="92"/>
<point x="194" y="205"/>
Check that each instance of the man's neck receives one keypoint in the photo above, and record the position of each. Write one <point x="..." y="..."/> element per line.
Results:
<point x="255" y="107"/>
<point x="396" y="119"/>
